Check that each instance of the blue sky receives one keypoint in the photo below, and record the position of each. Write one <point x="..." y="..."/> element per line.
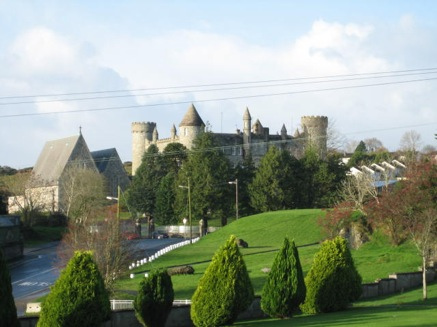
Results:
<point x="60" y="47"/>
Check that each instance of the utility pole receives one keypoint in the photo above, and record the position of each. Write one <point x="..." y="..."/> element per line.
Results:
<point x="189" y="207"/>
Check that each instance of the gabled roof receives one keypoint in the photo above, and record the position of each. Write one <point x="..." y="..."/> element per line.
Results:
<point x="103" y="157"/>
<point x="57" y="154"/>
<point x="192" y="118"/>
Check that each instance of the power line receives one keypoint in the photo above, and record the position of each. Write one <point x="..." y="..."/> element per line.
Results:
<point x="218" y="99"/>
<point x="276" y="84"/>
<point x="217" y="84"/>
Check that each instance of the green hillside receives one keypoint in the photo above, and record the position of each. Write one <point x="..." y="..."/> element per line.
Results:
<point x="264" y="233"/>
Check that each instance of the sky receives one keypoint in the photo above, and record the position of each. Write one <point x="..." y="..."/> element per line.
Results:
<point x="97" y="66"/>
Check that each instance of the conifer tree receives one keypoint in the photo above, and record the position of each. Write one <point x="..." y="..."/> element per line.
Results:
<point x="78" y="298"/>
<point x="8" y="311"/>
<point x="155" y="299"/>
<point x="284" y="289"/>
<point x="224" y="291"/>
<point x="333" y="282"/>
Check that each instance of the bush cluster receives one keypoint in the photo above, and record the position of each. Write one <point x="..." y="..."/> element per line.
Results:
<point x="285" y="288"/>
<point x="78" y="298"/>
<point x="155" y="299"/>
<point x="8" y="311"/>
<point x="224" y="291"/>
<point x="333" y="281"/>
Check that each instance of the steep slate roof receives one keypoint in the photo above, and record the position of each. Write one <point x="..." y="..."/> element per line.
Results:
<point x="102" y="158"/>
<point x="56" y="154"/>
<point x="191" y="118"/>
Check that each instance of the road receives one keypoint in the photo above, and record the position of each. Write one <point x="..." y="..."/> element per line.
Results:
<point x="33" y="275"/>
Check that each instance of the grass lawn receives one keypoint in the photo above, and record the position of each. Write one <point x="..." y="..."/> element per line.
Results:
<point x="264" y="234"/>
<point x="406" y="309"/>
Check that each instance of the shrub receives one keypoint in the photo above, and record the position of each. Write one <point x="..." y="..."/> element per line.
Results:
<point x="155" y="299"/>
<point x="224" y="290"/>
<point x="333" y="281"/>
<point x="79" y="297"/>
<point x="284" y="289"/>
<point x="8" y="311"/>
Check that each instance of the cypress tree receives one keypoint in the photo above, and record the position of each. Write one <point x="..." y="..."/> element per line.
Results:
<point x="225" y="289"/>
<point x="333" y="282"/>
<point x="78" y="298"/>
<point x="155" y="299"/>
<point x="285" y="289"/>
<point x="8" y="311"/>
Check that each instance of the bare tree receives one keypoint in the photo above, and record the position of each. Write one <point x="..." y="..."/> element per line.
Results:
<point x="26" y="196"/>
<point x="373" y="144"/>
<point x="358" y="189"/>
<point x="351" y="145"/>
<point x="335" y="140"/>
<point x="82" y="191"/>
<point x="104" y="238"/>
<point x="410" y="144"/>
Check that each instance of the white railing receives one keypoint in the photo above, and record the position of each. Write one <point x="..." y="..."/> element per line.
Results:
<point x="129" y="304"/>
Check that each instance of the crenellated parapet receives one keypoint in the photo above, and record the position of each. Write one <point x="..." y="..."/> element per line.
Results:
<point x="315" y="130"/>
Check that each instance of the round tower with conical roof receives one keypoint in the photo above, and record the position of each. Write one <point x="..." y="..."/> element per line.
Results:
<point x="190" y="127"/>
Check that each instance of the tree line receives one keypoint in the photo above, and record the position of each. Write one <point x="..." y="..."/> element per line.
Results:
<point x="279" y="181"/>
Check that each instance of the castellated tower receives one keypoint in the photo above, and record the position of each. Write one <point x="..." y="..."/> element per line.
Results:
<point x="142" y="136"/>
<point x="315" y="129"/>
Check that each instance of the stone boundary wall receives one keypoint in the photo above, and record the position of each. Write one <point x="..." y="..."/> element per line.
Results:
<point x="396" y="283"/>
<point x="180" y="314"/>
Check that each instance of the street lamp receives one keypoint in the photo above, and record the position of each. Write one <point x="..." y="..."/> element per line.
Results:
<point x="236" y="195"/>
<point x="188" y="187"/>
<point x="116" y="199"/>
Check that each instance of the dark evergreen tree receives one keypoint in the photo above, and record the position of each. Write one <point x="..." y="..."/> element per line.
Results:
<point x="173" y="156"/>
<point x="165" y="198"/>
<point x="245" y="172"/>
<point x="360" y="155"/>
<point x="284" y="289"/>
<point x="78" y="297"/>
<point x="273" y="186"/>
<point x="141" y="195"/>
<point x="8" y="311"/>
<point x="224" y="291"/>
<point x="209" y="172"/>
<point x="333" y="282"/>
<point x="154" y="299"/>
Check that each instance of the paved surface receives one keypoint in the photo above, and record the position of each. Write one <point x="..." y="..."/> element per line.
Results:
<point x="33" y="275"/>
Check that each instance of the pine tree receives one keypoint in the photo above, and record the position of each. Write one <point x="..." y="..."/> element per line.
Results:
<point x="142" y="193"/>
<point x="209" y="171"/>
<point x="333" y="282"/>
<point x="165" y="198"/>
<point x="8" y="311"/>
<point x="78" y="298"/>
<point x="224" y="291"/>
<point x="284" y="289"/>
<point x="155" y="299"/>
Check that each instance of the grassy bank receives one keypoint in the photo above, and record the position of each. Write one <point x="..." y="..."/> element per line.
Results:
<point x="264" y="234"/>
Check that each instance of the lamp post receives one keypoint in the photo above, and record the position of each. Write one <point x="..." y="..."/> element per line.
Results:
<point x="188" y="187"/>
<point x="236" y="196"/>
<point x="118" y="201"/>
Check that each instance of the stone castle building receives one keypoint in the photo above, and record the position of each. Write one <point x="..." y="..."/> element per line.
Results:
<point x="253" y="139"/>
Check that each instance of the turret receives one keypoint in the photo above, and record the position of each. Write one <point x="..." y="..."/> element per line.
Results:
<point x="173" y="132"/>
<point x="283" y="132"/>
<point x="247" y="121"/>
<point x="190" y="127"/>
<point x="315" y="130"/>
<point x="138" y="144"/>
<point x="155" y="135"/>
